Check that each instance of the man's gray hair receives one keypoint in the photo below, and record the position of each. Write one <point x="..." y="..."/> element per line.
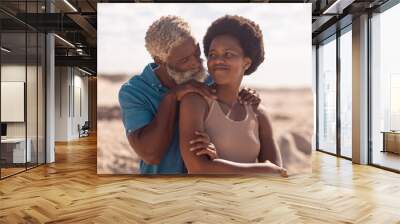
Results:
<point x="164" y="34"/>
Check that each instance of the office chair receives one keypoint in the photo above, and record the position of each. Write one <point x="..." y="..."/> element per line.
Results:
<point x="84" y="130"/>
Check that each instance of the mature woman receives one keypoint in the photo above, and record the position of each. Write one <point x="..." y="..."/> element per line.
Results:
<point x="224" y="135"/>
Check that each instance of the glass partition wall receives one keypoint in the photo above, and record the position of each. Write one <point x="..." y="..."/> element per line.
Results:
<point x="22" y="88"/>
<point x="327" y="95"/>
<point x="13" y="110"/>
<point x="334" y="94"/>
<point x="345" y="61"/>
<point x="334" y="90"/>
<point x="385" y="89"/>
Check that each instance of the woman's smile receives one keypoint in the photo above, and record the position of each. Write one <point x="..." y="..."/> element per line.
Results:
<point x="220" y="68"/>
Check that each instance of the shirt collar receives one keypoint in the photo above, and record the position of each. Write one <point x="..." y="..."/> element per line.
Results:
<point x="150" y="77"/>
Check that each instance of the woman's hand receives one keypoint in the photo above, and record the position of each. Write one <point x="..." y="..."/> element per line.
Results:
<point x="276" y="169"/>
<point x="202" y="146"/>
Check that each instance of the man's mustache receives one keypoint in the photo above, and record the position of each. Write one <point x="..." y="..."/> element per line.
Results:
<point x="181" y="77"/>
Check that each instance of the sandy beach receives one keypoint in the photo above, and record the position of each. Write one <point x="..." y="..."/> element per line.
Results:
<point x="290" y="110"/>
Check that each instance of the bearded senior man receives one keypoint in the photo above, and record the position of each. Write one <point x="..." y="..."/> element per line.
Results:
<point x="149" y="101"/>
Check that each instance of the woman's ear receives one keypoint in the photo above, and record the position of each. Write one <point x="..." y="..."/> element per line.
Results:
<point x="247" y="63"/>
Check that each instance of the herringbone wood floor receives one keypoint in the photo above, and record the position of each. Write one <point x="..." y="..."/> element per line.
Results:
<point x="70" y="191"/>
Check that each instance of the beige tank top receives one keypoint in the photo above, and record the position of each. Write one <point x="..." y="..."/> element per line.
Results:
<point x="237" y="141"/>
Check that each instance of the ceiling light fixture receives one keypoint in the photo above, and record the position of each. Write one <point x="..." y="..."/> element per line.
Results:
<point x="5" y="50"/>
<point x="65" y="41"/>
<point x="86" y="72"/>
<point x="70" y="5"/>
<point x="337" y="7"/>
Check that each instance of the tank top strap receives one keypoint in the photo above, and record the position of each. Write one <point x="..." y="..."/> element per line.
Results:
<point x="211" y="107"/>
<point x="250" y="111"/>
<point x="208" y="100"/>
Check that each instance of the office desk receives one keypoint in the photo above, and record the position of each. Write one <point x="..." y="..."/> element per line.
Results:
<point x="13" y="150"/>
<point x="391" y="141"/>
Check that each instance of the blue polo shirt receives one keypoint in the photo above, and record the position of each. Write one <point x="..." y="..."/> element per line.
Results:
<point x="139" y="99"/>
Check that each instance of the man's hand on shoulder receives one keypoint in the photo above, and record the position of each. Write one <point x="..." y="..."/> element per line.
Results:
<point x="193" y="87"/>
<point x="249" y="96"/>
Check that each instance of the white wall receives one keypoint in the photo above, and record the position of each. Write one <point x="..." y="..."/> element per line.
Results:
<point x="62" y="81"/>
<point x="70" y="83"/>
<point x="33" y="126"/>
<point x="17" y="73"/>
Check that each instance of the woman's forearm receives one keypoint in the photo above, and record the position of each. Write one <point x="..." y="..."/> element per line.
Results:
<point x="221" y="166"/>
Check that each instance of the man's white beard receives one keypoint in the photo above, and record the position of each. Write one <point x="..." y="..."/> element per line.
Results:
<point x="181" y="77"/>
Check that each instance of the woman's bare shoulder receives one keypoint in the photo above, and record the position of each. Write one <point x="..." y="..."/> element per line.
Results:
<point x="262" y="113"/>
<point x="194" y="106"/>
<point x="194" y="98"/>
<point x="260" y="110"/>
<point x="194" y="102"/>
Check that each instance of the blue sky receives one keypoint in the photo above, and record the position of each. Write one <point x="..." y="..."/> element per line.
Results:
<point x="286" y="29"/>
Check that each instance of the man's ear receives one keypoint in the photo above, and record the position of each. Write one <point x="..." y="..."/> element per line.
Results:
<point x="158" y="61"/>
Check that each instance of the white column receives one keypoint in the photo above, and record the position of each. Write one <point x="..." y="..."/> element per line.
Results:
<point x="50" y="93"/>
<point x="360" y="90"/>
<point x="314" y="90"/>
<point x="50" y="110"/>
